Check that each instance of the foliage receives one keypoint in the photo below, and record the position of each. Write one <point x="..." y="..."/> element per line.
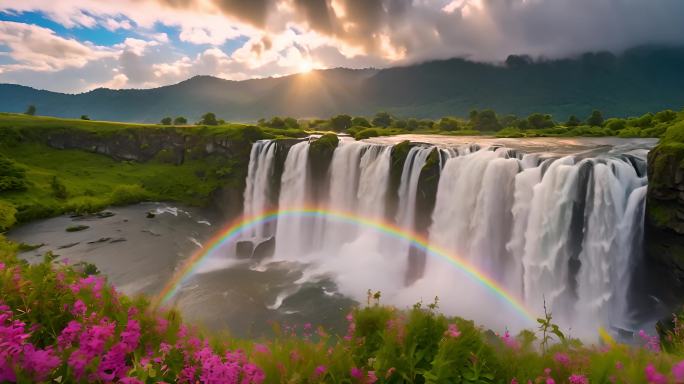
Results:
<point x="360" y="122"/>
<point x="62" y="323"/>
<point x="12" y="177"/>
<point x="180" y="120"/>
<point x="58" y="188"/>
<point x="166" y="121"/>
<point x="595" y="119"/>
<point x="85" y="117"/>
<point x="341" y="122"/>
<point x="208" y="118"/>
<point x="382" y="119"/>
<point x="7" y="215"/>
<point x="30" y="110"/>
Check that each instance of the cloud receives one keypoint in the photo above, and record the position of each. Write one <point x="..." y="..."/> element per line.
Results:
<point x="40" y="49"/>
<point x="283" y="36"/>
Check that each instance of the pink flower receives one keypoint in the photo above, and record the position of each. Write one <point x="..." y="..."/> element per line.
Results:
<point x="452" y="331"/>
<point x="653" y="376"/>
<point x="39" y="361"/>
<point x="678" y="371"/>
<point x="514" y="381"/>
<point x="510" y="341"/>
<point x="550" y="380"/>
<point x="320" y="370"/>
<point x="562" y="358"/>
<point x="295" y="356"/>
<point x="261" y="348"/>
<point x="618" y="365"/>
<point x="130" y="337"/>
<point x="547" y="371"/>
<point x="131" y="380"/>
<point x="356" y="373"/>
<point x="371" y="377"/>
<point x="578" y="379"/>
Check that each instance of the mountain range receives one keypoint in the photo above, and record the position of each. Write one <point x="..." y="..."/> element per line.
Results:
<point x="636" y="81"/>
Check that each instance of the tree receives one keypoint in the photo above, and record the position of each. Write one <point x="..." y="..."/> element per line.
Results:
<point x="382" y="119"/>
<point x="276" y="122"/>
<point x="412" y="124"/>
<point x="595" y="119"/>
<point x="448" y="124"/>
<point x="180" y="120"/>
<point x="484" y="120"/>
<point x="539" y="121"/>
<point x="85" y="117"/>
<point x="291" y="123"/>
<point x="573" y="121"/>
<point x="208" y="119"/>
<point x="31" y="110"/>
<point x="340" y="123"/>
<point x="360" y="122"/>
<point x="166" y="121"/>
<point x="12" y="177"/>
<point x="509" y="121"/>
<point x="665" y="116"/>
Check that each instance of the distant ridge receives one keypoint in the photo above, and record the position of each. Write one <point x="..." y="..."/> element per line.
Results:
<point x="637" y="81"/>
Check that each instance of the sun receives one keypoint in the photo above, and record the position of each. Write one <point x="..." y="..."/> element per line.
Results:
<point x="306" y="66"/>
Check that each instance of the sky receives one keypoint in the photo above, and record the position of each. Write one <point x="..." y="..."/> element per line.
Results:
<point x="79" y="45"/>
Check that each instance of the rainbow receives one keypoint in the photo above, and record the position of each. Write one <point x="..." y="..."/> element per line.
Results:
<point x="233" y="231"/>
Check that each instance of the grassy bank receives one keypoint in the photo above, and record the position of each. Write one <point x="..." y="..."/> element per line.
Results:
<point x="38" y="180"/>
<point x="60" y="324"/>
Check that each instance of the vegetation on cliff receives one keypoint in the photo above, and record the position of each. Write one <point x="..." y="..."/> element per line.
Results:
<point x="65" y="323"/>
<point x="51" y="166"/>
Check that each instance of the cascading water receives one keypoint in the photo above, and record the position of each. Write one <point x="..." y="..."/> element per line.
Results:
<point x="561" y="231"/>
<point x="258" y="185"/>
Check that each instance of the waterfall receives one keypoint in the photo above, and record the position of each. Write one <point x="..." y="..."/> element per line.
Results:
<point x="561" y="231"/>
<point x="258" y="185"/>
<point x="292" y="232"/>
<point x="409" y="185"/>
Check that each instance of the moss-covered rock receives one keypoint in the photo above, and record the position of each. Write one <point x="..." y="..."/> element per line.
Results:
<point x="320" y="156"/>
<point x="665" y="204"/>
<point x="425" y="204"/>
<point x="397" y="159"/>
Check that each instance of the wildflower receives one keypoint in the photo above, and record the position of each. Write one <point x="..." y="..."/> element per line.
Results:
<point x="68" y="334"/>
<point x="550" y="380"/>
<point x="295" y="356"/>
<point x="252" y="374"/>
<point x="39" y="361"/>
<point x="320" y="370"/>
<point x="578" y="379"/>
<point x="390" y="372"/>
<point x="131" y="380"/>
<point x="562" y="358"/>
<point x="618" y="365"/>
<point x="452" y="331"/>
<point x="510" y="341"/>
<point x="514" y="381"/>
<point x="261" y="348"/>
<point x="652" y="342"/>
<point x="678" y="371"/>
<point x="130" y="337"/>
<point x="356" y="373"/>
<point x="307" y="326"/>
<point x="162" y="325"/>
<point x="653" y="376"/>
<point x="371" y="377"/>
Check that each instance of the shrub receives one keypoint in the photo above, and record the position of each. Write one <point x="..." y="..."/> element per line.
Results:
<point x="58" y="189"/>
<point x="7" y="215"/>
<point x="128" y="194"/>
<point x="12" y="176"/>
<point x="367" y="133"/>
